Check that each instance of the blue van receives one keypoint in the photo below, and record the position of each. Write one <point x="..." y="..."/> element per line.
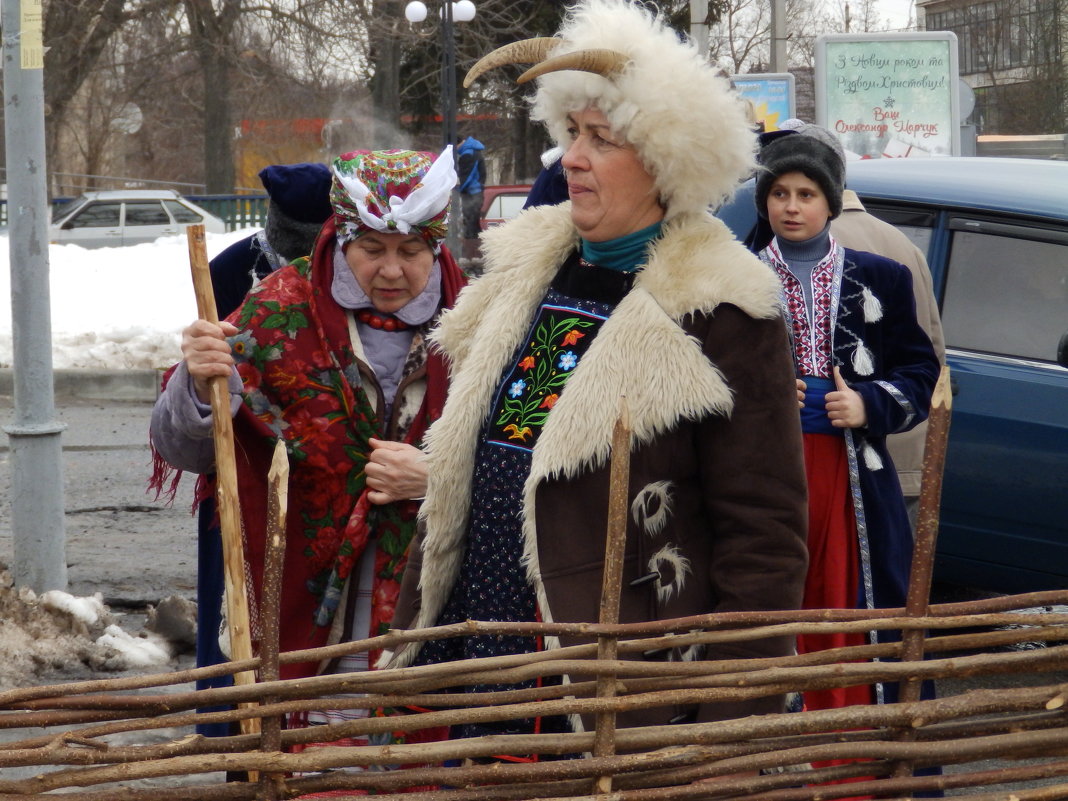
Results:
<point x="995" y="232"/>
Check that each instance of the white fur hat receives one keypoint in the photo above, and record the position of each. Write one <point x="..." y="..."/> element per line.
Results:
<point x="687" y="124"/>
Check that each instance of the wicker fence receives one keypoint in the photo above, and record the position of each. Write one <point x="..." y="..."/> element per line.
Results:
<point x="781" y="757"/>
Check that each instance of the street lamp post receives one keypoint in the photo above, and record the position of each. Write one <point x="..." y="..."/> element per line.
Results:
<point x="451" y="12"/>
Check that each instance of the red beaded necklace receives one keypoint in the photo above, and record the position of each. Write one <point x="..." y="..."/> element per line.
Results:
<point x="368" y="317"/>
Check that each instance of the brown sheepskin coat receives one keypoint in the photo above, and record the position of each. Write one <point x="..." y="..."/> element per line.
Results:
<point x="717" y="485"/>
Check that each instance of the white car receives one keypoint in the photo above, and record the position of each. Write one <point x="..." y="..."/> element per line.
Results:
<point x="127" y="217"/>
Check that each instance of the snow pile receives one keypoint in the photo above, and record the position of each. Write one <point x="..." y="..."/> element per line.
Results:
<point x="59" y="635"/>
<point x="89" y="611"/>
<point x="136" y="651"/>
<point x="115" y="308"/>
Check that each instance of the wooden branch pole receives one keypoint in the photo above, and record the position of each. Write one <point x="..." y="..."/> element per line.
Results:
<point x="271" y="784"/>
<point x="934" y="460"/>
<point x="604" y="743"/>
<point x="923" y="551"/>
<point x="237" y="614"/>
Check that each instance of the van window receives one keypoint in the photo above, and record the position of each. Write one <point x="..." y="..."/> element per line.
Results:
<point x="1006" y="295"/>
<point x="151" y="213"/>
<point x="96" y="215"/>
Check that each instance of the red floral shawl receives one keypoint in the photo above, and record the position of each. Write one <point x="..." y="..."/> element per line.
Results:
<point x="301" y="382"/>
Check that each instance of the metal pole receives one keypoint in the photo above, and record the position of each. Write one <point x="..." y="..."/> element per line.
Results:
<point x="446" y="40"/>
<point x="778" y="36"/>
<point x="448" y="94"/>
<point x="450" y="71"/>
<point x="699" y="25"/>
<point x="37" y="522"/>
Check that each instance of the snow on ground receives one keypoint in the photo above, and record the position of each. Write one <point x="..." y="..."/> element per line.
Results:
<point x="112" y="308"/>
<point x="115" y="308"/>
<point x="58" y="636"/>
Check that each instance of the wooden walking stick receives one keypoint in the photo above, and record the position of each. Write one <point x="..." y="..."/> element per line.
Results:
<point x="604" y="743"/>
<point x="923" y="551"/>
<point x="237" y="615"/>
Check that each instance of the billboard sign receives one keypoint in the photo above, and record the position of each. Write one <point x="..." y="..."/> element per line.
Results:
<point x="772" y="96"/>
<point x="890" y="94"/>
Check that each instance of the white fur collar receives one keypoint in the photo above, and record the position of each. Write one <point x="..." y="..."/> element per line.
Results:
<point x="641" y="352"/>
<point x="696" y="265"/>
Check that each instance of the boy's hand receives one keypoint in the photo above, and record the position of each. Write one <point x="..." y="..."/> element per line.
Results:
<point x="845" y="406"/>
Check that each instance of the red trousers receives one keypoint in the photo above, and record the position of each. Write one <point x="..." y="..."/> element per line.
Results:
<point x="834" y="566"/>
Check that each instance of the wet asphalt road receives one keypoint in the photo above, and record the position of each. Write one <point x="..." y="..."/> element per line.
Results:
<point x="121" y="542"/>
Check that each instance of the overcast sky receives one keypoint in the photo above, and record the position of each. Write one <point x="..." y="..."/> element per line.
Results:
<point x="897" y="11"/>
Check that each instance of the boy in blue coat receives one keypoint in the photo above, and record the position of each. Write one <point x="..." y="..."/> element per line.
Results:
<point x="865" y="369"/>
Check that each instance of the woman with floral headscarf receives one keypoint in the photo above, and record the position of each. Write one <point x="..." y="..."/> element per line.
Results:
<point x="329" y="354"/>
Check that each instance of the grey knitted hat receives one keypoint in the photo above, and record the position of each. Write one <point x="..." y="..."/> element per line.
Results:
<point x="808" y="149"/>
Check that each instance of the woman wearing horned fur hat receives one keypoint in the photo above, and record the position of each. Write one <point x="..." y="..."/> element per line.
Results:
<point x="329" y="354"/>
<point x="630" y="289"/>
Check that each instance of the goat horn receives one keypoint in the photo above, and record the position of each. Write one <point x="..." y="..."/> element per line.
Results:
<point x="527" y="51"/>
<point x="599" y="61"/>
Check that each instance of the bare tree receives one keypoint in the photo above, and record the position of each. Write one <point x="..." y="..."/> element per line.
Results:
<point x="211" y="33"/>
<point x="76" y="35"/>
<point x="741" y="39"/>
<point x="202" y="71"/>
<point x="857" y="16"/>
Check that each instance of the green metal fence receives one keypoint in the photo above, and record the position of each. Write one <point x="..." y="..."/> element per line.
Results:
<point x="237" y="211"/>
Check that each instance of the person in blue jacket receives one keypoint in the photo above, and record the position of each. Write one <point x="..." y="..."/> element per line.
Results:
<point x="865" y="369"/>
<point x="471" y="172"/>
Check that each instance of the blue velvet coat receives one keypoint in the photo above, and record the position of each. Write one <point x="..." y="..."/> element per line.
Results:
<point x="884" y="355"/>
<point x="897" y="396"/>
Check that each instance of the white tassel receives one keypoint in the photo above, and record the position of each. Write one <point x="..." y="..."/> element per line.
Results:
<point x="871" y="458"/>
<point x="862" y="360"/>
<point x="873" y="309"/>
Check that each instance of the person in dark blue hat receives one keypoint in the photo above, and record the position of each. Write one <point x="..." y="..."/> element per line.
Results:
<point x="550" y="187"/>
<point x="299" y="203"/>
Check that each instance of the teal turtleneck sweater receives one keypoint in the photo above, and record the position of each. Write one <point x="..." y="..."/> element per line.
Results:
<point x="624" y="254"/>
